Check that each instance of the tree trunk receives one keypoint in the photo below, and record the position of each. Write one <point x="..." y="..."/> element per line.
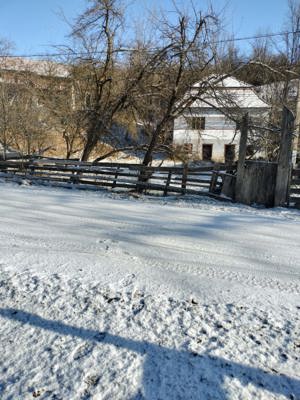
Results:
<point x="92" y="140"/>
<point x="88" y="148"/>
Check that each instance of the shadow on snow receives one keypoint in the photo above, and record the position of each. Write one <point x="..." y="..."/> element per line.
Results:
<point x="169" y="373"/>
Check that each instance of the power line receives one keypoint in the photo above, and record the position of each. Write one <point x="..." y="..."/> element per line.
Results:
<point x="130" y="50"/>
<point x="262" y="36"/>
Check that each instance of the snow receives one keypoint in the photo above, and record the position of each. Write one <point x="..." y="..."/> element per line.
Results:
<point x="105" y="296"/>
<point x="237" y="93"/>
<point x="226" y="81"/>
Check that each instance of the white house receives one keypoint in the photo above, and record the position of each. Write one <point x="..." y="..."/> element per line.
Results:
<point x="206" y="129"/>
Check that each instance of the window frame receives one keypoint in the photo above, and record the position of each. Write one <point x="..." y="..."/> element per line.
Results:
<point x="196" y="123"/>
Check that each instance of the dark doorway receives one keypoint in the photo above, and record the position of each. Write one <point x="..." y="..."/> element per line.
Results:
<point x="207" y="152"/>
<point x="229" y="152"/>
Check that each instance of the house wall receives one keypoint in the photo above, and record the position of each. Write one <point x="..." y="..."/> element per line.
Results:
<point x="218" y="131"/>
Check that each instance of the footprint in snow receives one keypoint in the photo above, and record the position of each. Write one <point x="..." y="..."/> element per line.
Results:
<point x="106" y="243"/>
<point x="82" y="351"/>
<point x="127" y="281"/>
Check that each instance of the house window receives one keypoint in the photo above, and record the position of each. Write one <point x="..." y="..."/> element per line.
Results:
<point x="229" y="153"/>
<point x="207" y="152"/>
<point x="196" y="123"/>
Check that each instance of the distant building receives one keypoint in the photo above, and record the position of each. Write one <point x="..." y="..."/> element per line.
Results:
<point x="206" y="130"/>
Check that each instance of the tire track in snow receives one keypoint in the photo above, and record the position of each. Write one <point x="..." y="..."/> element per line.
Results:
<point x="223" y="274"/>
<point x="102" y="246"/>
<point x="112" y="247"/>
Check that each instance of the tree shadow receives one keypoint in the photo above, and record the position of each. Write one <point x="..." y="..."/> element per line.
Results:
<point x="172" y="374"/>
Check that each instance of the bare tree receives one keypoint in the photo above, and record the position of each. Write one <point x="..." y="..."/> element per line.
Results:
<point x="23" y="121"/>
<point x="5" y="101"/>
<point x="148" y="84"/>
<point x="65" y="116"/>
<point x="29" y="122"/>
<point x="183" y="55"/>
<point x="283" y="76"/>
<point x="101" y="90"/>
<point x="293" y="55"/>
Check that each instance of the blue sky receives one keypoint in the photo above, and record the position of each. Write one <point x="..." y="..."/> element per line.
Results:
<point x="34" y="25"/>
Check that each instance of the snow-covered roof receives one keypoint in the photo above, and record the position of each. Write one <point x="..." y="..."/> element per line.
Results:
<point x="227" y="93"/>
<point x="39" y="67"/>
<point x="223" y="81"/>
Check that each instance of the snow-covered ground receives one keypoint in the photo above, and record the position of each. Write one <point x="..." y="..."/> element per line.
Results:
<point x="103" y="296"/>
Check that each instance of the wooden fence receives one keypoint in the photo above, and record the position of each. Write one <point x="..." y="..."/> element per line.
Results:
<point x="204" y="180"/>
<point x="294" y="193"/>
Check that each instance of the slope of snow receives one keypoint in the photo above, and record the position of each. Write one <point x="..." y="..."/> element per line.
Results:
<point x="107" y="297"/>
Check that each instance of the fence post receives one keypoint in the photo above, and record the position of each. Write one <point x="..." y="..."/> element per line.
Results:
<point x="284" y="159"/>
<point x="167" y="183"/>
<point x="242" y="156"/>
<point x="184" y="178"/>
<point x="116" y="177"/>
<point x="214" y="179"/>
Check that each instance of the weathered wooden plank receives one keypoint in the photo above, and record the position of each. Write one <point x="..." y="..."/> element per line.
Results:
<point x="167" y="183"/>
<point x="123" y="183"/>
<point x="107" y="177"/>
<point x="239" y="186"/>
<point x="104" y="181"/>
<point x="104" y="168"/>
<point x="295" y="190"/>
<point x="214" y="180"/>
<point x="192" y="180"/>
<point x="195" y="185"/>
<point x="294" y="199"/>
<point x="95" y="177"/>
<point x="85" y="184"/>
<point x="169" y="179"/>
<point x="285" y="159"/>
<point x="258" y="186"/>
<point x="86" y="171"/>
<point x="184" y="179"/>
<point x="116" y="177"/>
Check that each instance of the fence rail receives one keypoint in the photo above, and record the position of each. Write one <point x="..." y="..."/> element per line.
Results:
<point x="294" y="192"/>
<point x="203" y="180"/>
